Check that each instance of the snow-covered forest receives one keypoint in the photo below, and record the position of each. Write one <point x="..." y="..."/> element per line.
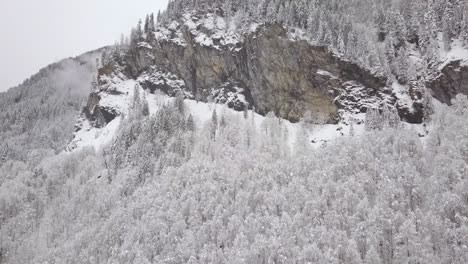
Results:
<point x="37" y="117"/>
<point x="380" y="34"/>
<point x="173" y="180"/>
<point x="169" y="190"/>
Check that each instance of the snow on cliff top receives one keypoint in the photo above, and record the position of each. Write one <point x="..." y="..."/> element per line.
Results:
<point x="208" y="30"/>
<point x="457" y="52"/>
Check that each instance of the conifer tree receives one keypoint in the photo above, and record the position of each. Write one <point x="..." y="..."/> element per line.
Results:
<point x="151" y="27"/>
<point x="145" y="107"/>
<point x="223" y="123"/>
<point x="122" y="40"/>
<point x="158" y="17"/>
<point x="147" y="25"/>
<point x="138" y="32"/>
<point x="372" y="256"/>
<point x="133" y="38"/>
<point x="179" y="102"/>
<point x="448" y="24"/>
<point x="136" y="103"/>
<point x="190" y="123"/>
<point x="214" y="124"/>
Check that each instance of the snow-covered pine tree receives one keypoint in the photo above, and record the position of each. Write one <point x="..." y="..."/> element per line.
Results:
<point x="146" y="25"/>
<point x="136" y="102"/>
<point x="372" y="256"/>
<point x="190" y="123"/>
<point x="448" y="25"/>
<point x="179" y="102"/>
<point x="372" y="119"/>
<point x="145" y="106"/>
<point x="406" y="21"/>
<point x="139" y="32"/>
<point x="214" y="124"/>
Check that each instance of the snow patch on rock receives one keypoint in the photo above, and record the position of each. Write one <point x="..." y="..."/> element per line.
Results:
<point x="296" y="34"/>
<point x="401" y="93"/>
<point x="326" y="73"/>
<point x="155" y="79"/>
<point x="211" y="30"/>
<point x="457" y="52"/>
<point x="170" y="35"/>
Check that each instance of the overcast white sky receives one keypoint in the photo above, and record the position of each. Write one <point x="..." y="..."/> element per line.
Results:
<point x="35" y="33"/>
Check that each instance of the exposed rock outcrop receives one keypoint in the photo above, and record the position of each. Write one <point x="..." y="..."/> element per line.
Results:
<point x="452" y="80"/>
<point x="292" y="77"/>
<point x="97" y="114"/>
<point x="281" y="75"/>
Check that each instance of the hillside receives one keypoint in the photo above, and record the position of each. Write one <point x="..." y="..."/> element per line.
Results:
<point x="40" y="113"/>
<point x="232" y="131"/>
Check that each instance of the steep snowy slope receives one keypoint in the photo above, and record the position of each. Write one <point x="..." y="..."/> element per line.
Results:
<point x="40" y="113"/>
<point x="120" y="100"/>
<point x="97" y="137"/>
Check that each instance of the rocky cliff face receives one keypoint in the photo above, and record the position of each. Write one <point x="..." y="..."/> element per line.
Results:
<point x="275" y="73"/>
<point x="292" y="77"/>
<point x="451" y="80"/>
<point x="267" y="67"/>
